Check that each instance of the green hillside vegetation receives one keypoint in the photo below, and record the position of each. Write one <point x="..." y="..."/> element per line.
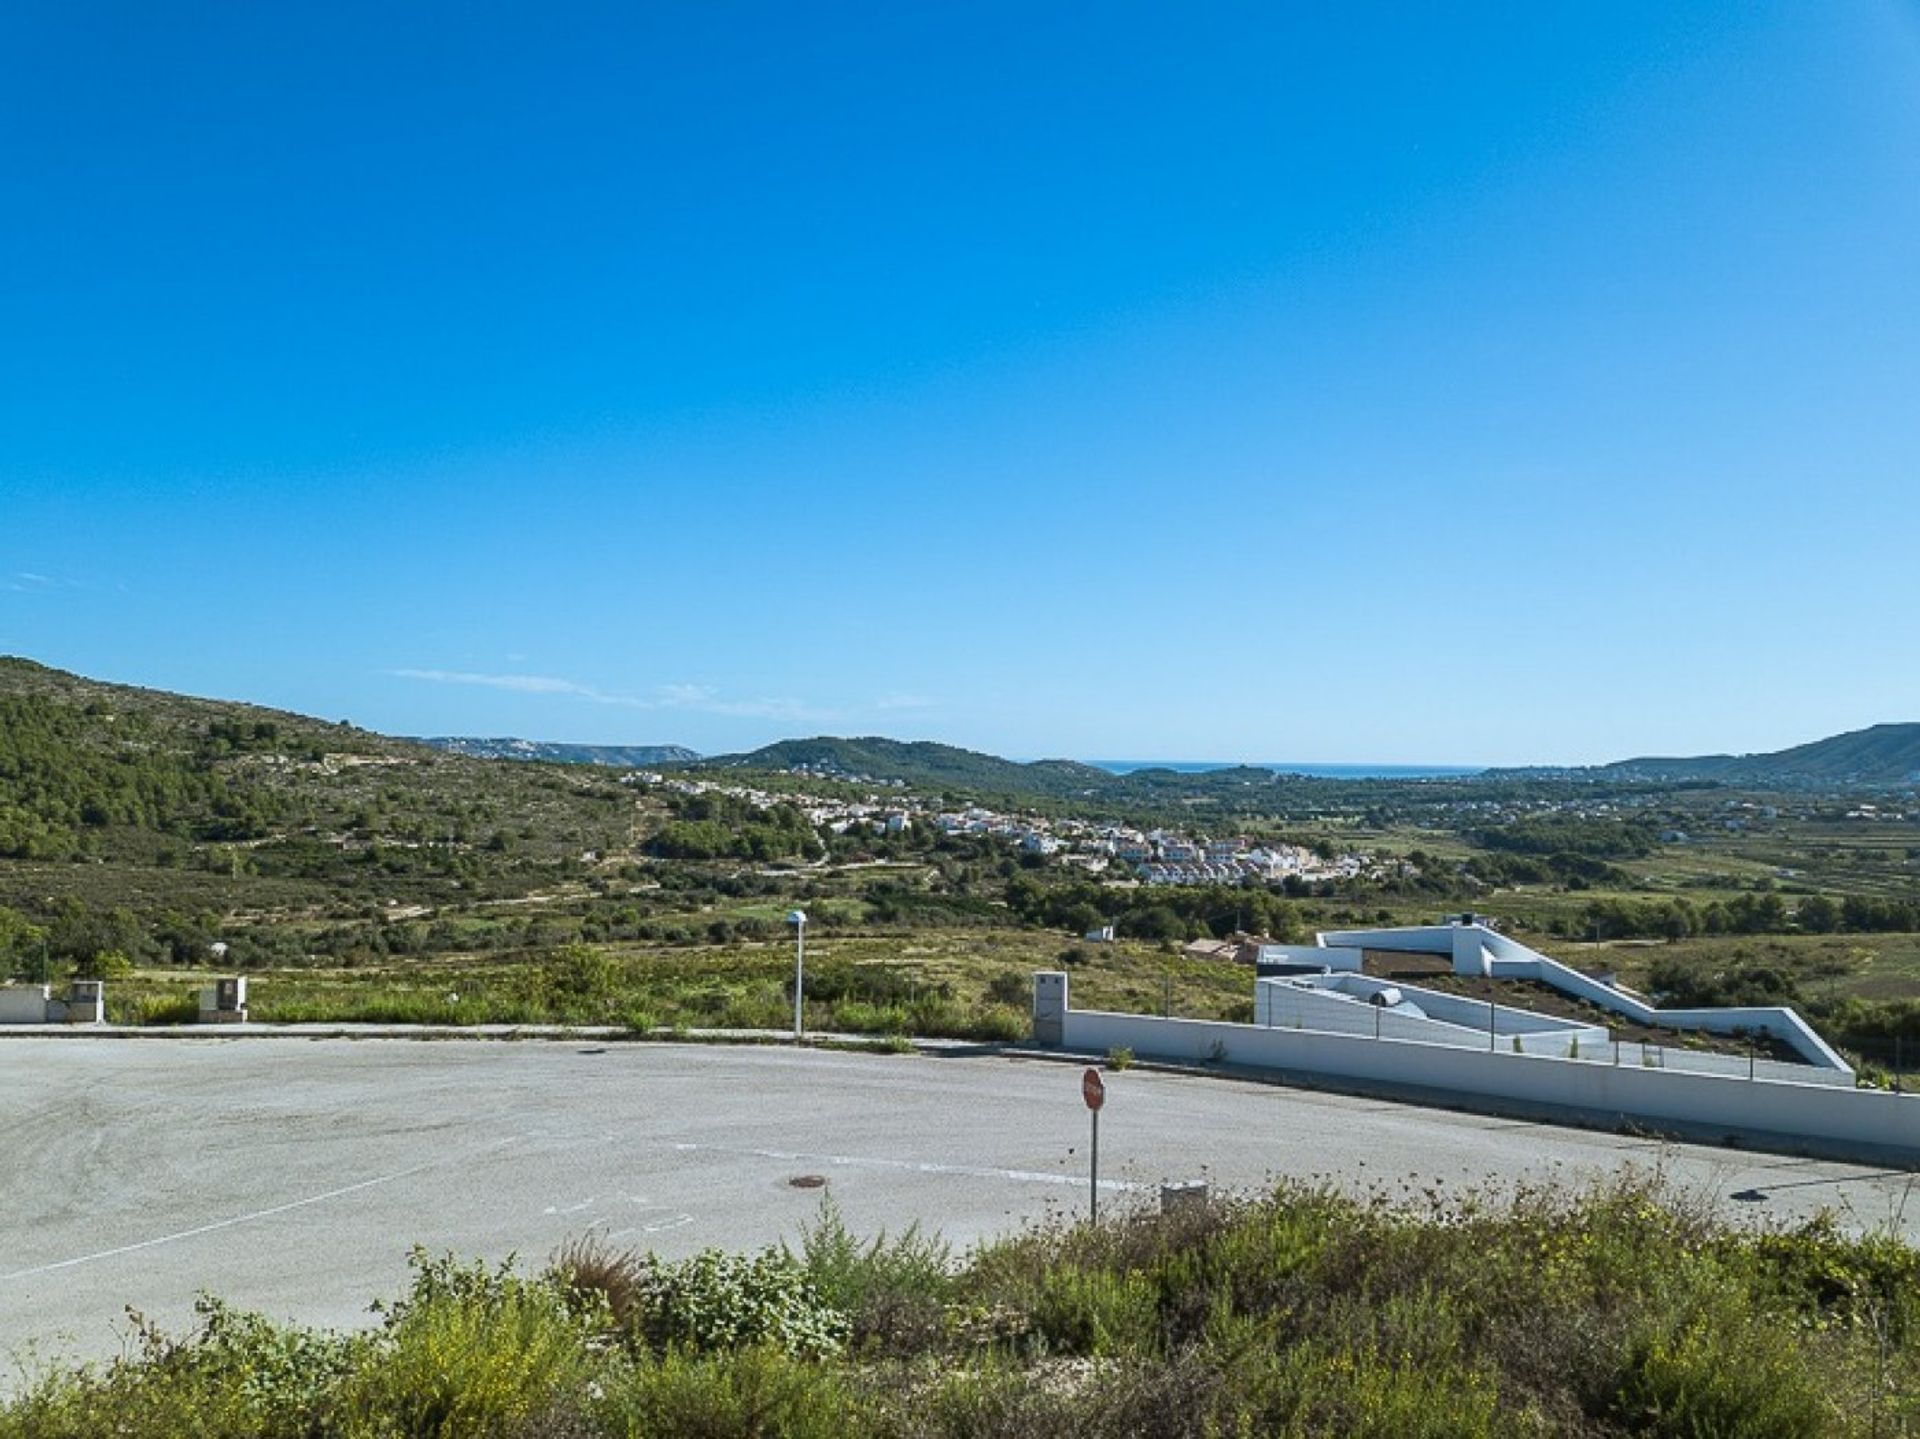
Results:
<point x="922" y="765"/>
<point x="1611" y="1312"/>
<point x="1884" y="754"/>
<point x="1234" y="796"/>
<point x="237" y="807"/>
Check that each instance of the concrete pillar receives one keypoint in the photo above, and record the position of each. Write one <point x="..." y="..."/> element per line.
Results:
<point x="1469" y="951"/>
<point x="1050" y="1007"/>
<point x="1264" y="993"/>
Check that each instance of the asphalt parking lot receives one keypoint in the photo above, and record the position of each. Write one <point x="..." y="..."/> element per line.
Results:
<point x="292" y="1176"/>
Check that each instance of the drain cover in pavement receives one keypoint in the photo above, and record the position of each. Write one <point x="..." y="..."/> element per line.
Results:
<point x="808" y="1181"/>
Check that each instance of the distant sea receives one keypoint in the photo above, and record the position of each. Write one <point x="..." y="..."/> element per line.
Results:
<point x="1318" y="771"/>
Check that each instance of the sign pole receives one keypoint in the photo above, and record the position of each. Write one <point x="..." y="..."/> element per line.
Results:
<point x="1093" y="1197"/>
<point x="798" y="919"/>
<point x="1094" y="1091"/>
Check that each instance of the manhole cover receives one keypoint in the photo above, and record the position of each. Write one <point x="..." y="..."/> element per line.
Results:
<point x="808" y="1181"/>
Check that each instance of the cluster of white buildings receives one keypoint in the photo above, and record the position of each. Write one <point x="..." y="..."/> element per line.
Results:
<point x="1262" y="864"/>
<point x="1163" y="857"/>
<point x="893" y="816"/>
<point x="1151" y="855"/>
<point x="1155" y="856"/>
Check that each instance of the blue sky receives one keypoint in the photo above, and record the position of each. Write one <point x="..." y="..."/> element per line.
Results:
<point x="1441" y="383"/>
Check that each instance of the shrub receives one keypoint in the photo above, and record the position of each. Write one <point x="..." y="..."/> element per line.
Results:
<point x="591" y="1270"/>
<point x="469" y="1350"/>
<point x="859" y="1016"/>
<point x="1120" y="1058"/>
<point x="756" y="1391"/>
<point x="763" y="1009"/>
<point x="727" y="1301"/>
<point x="1362" y="1393"/>
<point x="577" y="982"/>
<point x="172" y="1007"/>
<point x="1096" y="1311"/>
<point x="891" y="1289"/>
<point x="103" y="964"/>
<point x="1012" y="989"/>
<point x="1719" y="1372"/>
<point x="998" y="1023"/>
<point x="236" y="1376"/>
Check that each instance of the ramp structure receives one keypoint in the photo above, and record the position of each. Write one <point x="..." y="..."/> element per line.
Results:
<point x="1478" y="950"/>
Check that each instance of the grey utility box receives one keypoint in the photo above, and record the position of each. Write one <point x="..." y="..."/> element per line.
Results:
<point x="224" y="1001"/>
<point x="86" y="1002"/>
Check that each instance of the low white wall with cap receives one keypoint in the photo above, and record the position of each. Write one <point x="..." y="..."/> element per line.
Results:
<point x="1824" y="1117"/>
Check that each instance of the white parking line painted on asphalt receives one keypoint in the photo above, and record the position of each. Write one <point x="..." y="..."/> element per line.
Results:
<point x="251" y="1217"/>
<point x="217" y="1224"/>
<point x="910" y="1166"/>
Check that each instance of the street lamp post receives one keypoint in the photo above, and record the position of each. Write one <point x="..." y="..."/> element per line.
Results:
<point x="798" y="919"/>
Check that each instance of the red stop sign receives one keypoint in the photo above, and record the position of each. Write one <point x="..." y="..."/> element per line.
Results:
<point x="1093" y="1089"/>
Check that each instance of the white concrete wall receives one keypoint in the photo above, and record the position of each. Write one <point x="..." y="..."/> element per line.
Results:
<point x="1465" y="1011"/>
<point x="1823" y="1115"/>
<point x="24" y="1003"/>
<point x="1326" y="956"/>
<point x="1413" y="939"/>
<point x="1277" y="1005"/>
<point x="1509" y="959"/>
<point x="1339" y="1006"/>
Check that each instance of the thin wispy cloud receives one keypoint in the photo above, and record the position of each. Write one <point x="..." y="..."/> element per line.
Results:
<point x="898" y="700"/>
<point x="700" y="699"/>
<point x="26" y="582"/>
<point x="519" y="684"/>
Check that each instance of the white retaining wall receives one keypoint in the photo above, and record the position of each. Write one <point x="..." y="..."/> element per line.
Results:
<point x="1824" y="1117"/>
<point x="1277" y="1005"/>
<point x="1325" y="956"/>
<point x="1448" y="1019"/>
<point x="1464" y="1010"/>
<point x="24" y="1003"/>
<point x="1409" y="939"/>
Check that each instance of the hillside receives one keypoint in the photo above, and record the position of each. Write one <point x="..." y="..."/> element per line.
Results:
<point x="921" y="764"/>
<point x="111" y="794"/>
<point x="1150" y="796"/>
<point x="629" y="756"/>
<point x="1882" y="755"/>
